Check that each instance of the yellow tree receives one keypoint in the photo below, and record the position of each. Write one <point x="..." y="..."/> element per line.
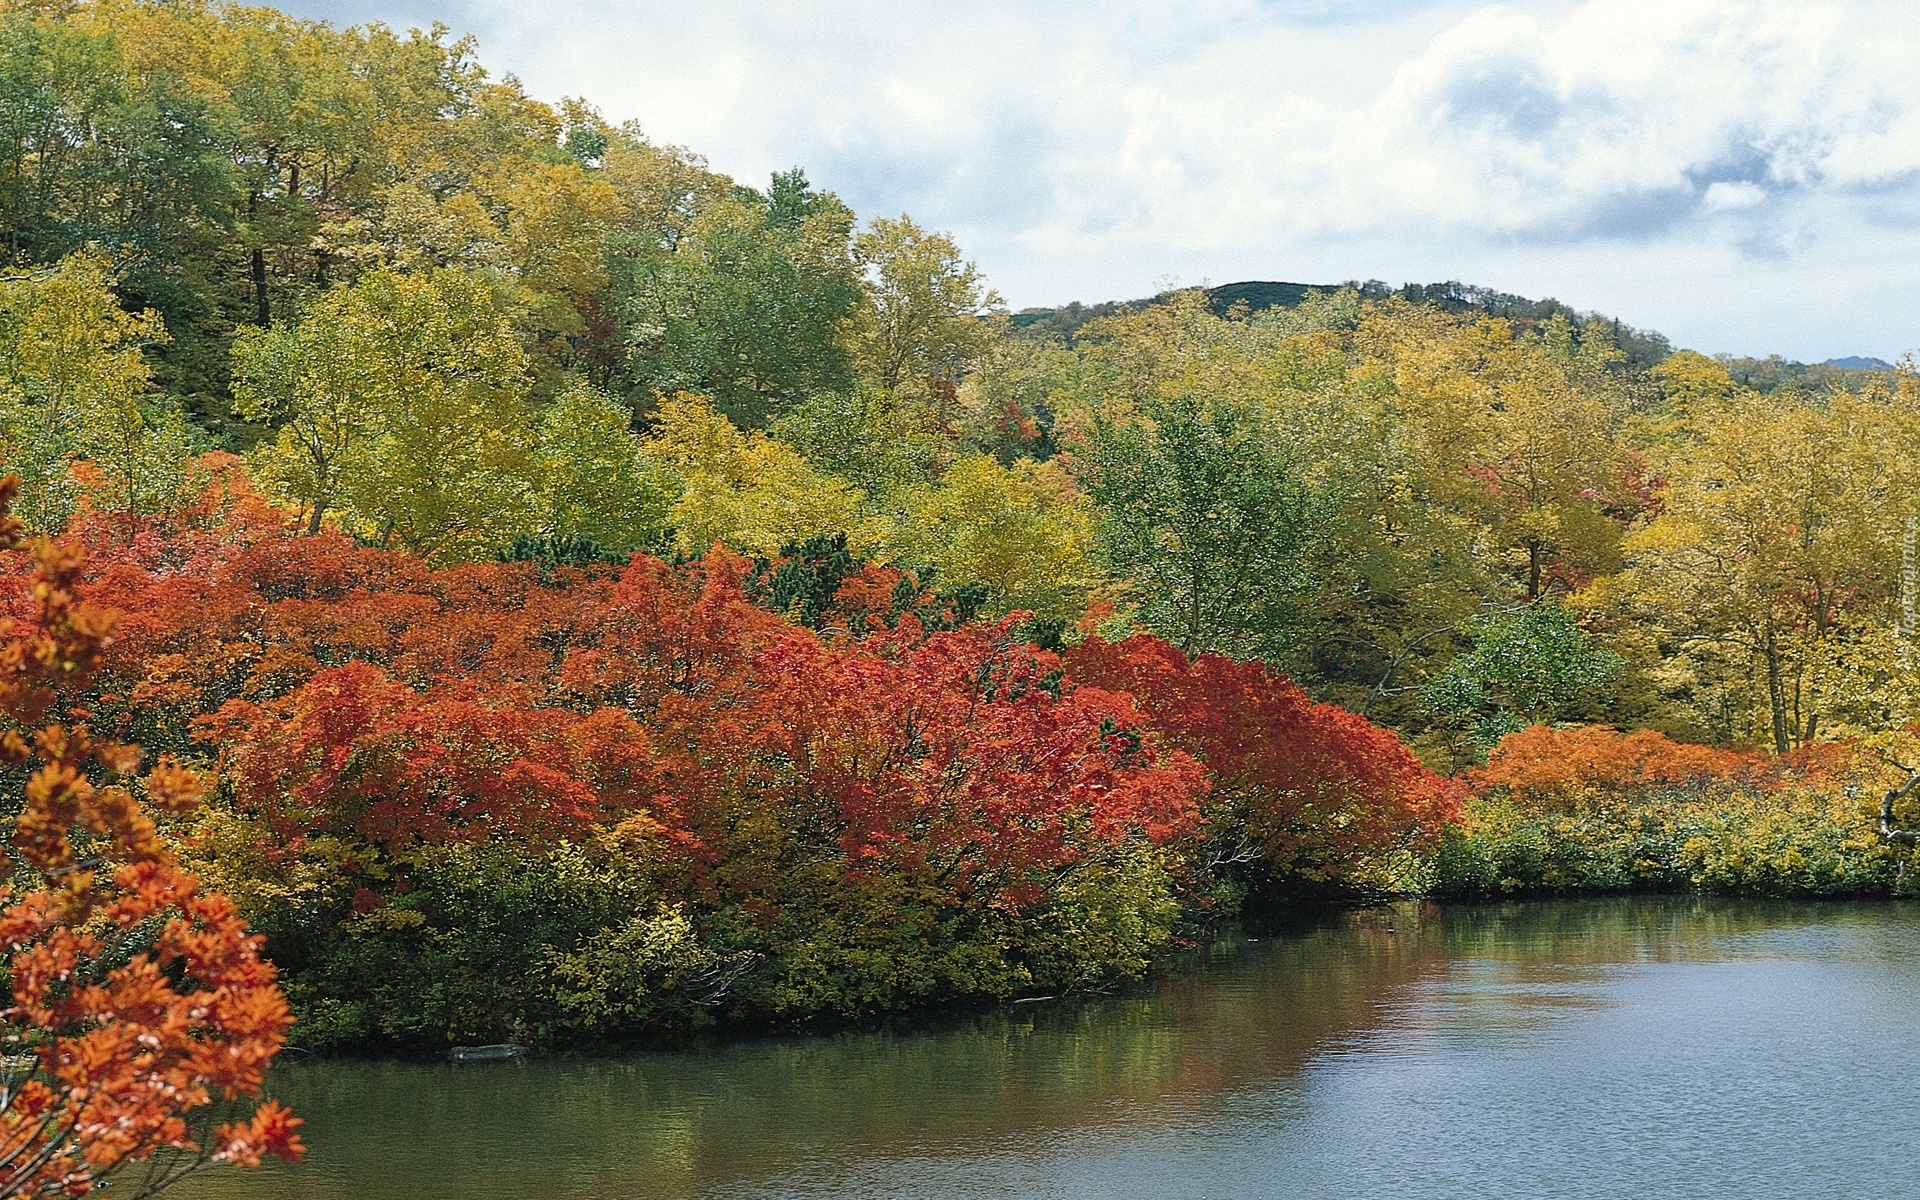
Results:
<point x="73" y="385"/>
<point x="1024" y="531"/>
<point x="746" y="490"/>
<point x="1514" y="432"/>
<point x="1775" y="539"/>
<point x="659" y="188"/>
<point x="927" y="311"/>
<point x="408" y="228"/>
<point x="400" y="405"/>
<point x="1689" y="383"/>
<point x="557" y="219"/>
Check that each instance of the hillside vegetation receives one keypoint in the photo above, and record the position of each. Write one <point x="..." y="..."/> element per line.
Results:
<point x="600" y="597"/>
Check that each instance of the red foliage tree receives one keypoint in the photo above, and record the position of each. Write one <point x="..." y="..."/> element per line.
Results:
<point x="367" y="694"/>
<point x="360" y="693"/>
<point x="1316" y="789"/>
<point x="353" y="751"/>
<point x="958" y="758"/>
<point x="139" y="1003"/>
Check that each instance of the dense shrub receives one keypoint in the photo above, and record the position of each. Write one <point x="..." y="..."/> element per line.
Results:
<point x="1596" y="810"/>
<point x="1308" y="792"/>
<point x="554" y="801"/>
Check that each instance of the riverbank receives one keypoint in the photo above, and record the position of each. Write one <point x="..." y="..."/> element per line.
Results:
<point x="480" y="956"/>
<point x="1794" y="844"/>
<point x="1591" y="810"/>
<point x="571" y="948"/>
<point x="1410" y="1051"/>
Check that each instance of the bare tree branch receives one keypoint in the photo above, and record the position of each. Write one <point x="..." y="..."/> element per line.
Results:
<point x="1888" y="830"/>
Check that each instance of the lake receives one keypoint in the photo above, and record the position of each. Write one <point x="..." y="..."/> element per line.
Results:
<point x="1670" y="1047"/>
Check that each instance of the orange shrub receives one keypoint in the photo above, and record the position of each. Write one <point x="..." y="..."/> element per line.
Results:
<point x="1557" y="764"/>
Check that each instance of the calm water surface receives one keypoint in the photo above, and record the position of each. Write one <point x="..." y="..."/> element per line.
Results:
<point x="1668" y="1047"/>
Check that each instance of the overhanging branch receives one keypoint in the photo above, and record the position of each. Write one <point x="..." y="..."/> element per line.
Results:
<point x="1888" y="830"/>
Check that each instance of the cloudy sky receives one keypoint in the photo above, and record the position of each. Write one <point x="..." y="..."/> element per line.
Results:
<point x="1742" y="176"/>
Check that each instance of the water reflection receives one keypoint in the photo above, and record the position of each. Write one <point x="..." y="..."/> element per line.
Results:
<point x="1577" y="1048"/>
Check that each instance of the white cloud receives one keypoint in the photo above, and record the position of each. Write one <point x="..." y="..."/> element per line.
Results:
<point x="1733" y="196"/>
<point x="1741" y="175"/>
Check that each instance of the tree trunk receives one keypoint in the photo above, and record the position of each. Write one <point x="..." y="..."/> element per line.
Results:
<point x="257" y="273"/>
<point x="1193" y="617"/>
<point x="261" y="315"/>
<point x="1777" y="694"/>
<point x="1888" y="830"/>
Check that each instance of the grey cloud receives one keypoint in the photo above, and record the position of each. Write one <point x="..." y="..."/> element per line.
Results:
<point x="1740" y="161"/>
<point x="1894" y="204"/>
<point x="1507" y="96"/>
<point x="1629" y="217"/>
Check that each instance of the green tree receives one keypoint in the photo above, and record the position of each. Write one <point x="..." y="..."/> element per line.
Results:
<point x="748" y="306"/>
<point x="1205" y="511"/>
<point x="867" y="436"/>
<point x="298" y="118"/>
<point x="1526" y="668"/>
<point x="591" y="479"/>
<point x="105" y="148"/>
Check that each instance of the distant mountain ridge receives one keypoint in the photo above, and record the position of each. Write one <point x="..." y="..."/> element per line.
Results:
<point x="1643" y="347"/>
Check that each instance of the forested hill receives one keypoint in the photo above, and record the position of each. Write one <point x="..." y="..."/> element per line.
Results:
<point x="1643" y="348"/>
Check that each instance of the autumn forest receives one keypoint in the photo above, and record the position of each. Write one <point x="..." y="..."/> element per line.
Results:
<point x="479" y="575"/>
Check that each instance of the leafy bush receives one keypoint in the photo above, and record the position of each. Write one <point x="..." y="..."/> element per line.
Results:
<point x="1595" y="810"/>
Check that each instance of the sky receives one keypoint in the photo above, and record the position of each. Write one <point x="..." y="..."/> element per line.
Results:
<point x="1744" y="177"/>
